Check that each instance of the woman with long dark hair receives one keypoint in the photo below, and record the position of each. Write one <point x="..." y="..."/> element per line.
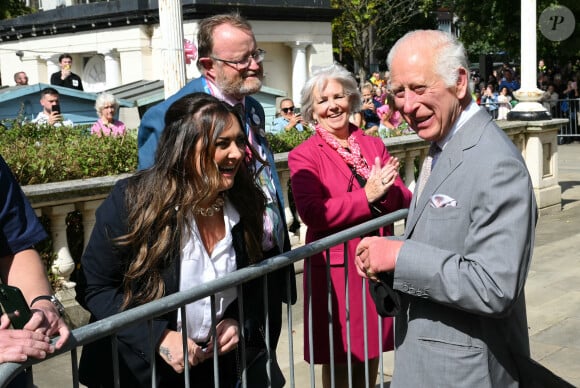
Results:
<point x="194" y="216"/>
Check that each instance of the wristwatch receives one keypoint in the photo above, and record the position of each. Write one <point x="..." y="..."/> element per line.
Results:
<point x="52" y="299"/>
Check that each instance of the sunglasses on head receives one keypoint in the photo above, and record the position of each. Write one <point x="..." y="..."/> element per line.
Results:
<point x="289" y="109"/>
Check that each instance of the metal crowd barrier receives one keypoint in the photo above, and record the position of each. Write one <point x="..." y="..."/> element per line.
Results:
<point x="559" y="109"/>
<point x="110" y="326"/>
<point x="567" y="109"/>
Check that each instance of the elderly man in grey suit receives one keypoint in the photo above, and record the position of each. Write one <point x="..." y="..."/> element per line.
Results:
<point x="461" y="267"/>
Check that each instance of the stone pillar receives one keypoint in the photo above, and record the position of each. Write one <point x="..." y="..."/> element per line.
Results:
<point x="299" y="68"/>
<point x="528" y="107"/>
<point x="63" y="264"/>
<point x="112" y="69"/>
<point x="409" y="177"/>
<point x="88" y="210"/>
<point x="51" y="65"/>
<point x="171" y="24"/>
<point x="541" y="157"/>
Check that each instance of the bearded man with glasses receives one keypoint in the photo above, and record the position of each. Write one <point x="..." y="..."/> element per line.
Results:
<point x="231" y="66"/>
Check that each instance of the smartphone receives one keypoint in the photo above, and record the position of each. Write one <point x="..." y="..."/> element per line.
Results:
<point x="11" y="299"/>
<point x="56" y="108"/>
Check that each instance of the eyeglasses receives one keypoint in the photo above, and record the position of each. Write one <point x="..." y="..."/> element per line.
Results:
<point x="257" y="56"/>
<point x="289" y="109"/>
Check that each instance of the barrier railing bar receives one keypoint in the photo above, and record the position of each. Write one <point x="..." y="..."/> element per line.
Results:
<point x="152" y="354"/>
<point x="347" y="308"/>
<point x="365" y="332"/>
<point x="310" y="316"/>
<point x="242" y="333"/>
<point x="330" y="326"/>
<point x="289" y="325"/>
<point x="110" y="325"/>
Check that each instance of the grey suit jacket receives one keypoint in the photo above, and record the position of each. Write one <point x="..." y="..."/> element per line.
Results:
<point x="461" y="270"/>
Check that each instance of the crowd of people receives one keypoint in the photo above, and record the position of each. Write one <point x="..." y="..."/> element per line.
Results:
<point x="207" y="201"/>
<point x="376" y="114"/>
<point x="557" y="83"/>
<point x="106" y="105"/>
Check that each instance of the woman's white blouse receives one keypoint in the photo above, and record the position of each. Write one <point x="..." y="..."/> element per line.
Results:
<point x="197" y="267"/>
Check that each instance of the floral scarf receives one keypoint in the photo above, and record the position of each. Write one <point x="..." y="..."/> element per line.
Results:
<point x="353" y="158"/>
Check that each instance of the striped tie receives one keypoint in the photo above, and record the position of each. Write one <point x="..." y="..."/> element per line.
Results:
<point x="426" y="168"/>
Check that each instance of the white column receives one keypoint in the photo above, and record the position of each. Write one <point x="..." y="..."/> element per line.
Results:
<point x="299" y="68"/>
<point x="171" y="24"/>
<point x="51" y="66"/>
<point x="528" y="107"/>
<point x="88" y="209"/>
<point x="112" y="69"/>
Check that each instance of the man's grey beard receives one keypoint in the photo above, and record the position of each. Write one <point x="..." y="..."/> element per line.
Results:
<point x="240" y="88"/>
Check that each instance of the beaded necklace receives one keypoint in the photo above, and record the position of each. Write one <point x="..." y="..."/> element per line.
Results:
<point x="211" y="210"/>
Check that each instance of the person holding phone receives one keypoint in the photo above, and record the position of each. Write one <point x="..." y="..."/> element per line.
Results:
<point x="51" y="113"/>
<point x="65" y="77"/>
<point x="372" y="121"/>
<point x="288" y="118"/>
<point x="22" y="267"/>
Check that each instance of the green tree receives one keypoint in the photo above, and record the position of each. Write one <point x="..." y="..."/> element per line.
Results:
<point x="365" y="25"/>
<point x="12" y="8"/>
<point x="493" y="26"/>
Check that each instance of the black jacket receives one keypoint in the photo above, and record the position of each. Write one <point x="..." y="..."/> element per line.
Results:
<point x="100" y="290"/>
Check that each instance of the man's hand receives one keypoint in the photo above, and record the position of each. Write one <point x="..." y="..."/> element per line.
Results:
<point x="18" y="345"/>
<point x="47" y="320"/>
<point x="65" y="72"/>
<point x="54" y="117"/>
<point x="293" y="121"/>
<point x="376" y="254"/>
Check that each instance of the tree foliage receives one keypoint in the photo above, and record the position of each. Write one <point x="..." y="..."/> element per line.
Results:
<point x="12" y="8"/>
<point x="364" y="26"/>
<point x="494" y="26"/>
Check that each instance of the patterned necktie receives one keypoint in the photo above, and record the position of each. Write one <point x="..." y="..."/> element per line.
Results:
<point x="426" y="168"/>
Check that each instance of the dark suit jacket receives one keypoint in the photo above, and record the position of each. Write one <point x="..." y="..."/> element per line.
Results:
<point x="104" y="266"/>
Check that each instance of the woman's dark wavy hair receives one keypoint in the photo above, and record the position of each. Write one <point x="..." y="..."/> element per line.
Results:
<point x="162" y="199"/>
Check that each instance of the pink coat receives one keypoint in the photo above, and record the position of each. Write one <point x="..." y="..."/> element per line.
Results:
<point x="117" y="128"/>
<point x="329" y="199"/>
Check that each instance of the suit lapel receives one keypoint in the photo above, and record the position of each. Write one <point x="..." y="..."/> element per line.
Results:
<point x="449" y="159"/>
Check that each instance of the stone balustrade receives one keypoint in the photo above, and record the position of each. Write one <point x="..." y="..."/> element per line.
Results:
<point x="537" y="140"/>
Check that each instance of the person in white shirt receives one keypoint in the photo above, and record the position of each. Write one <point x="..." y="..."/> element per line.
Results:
<point x="194" y="216"/>
<point x="51" y="113"/>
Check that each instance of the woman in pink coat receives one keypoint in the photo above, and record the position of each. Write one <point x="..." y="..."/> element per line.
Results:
<point x="340" y="178"/>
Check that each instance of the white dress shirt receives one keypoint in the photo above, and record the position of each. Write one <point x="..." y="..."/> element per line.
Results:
<point x="198" y="267"/>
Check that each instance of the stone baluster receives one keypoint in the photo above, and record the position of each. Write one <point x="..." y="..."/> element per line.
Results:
<point x="63" y="264"/>
<point x="87" y="210"/>
<point x="409" y="177"/>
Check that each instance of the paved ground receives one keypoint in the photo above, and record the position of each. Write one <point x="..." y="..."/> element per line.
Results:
<point x="552" y="292"/>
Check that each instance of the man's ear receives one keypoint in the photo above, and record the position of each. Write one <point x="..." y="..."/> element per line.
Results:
<point x="462" y="84"/>
<point x="206" y="64"/>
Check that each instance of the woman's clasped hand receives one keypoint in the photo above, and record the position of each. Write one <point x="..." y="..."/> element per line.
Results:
<point x="381" y="178"/>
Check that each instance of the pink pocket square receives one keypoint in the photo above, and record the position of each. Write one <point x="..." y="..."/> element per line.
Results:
<point x="442" y="200"/>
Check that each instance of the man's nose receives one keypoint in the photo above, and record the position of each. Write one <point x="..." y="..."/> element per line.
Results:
<point x="409" y="102"/>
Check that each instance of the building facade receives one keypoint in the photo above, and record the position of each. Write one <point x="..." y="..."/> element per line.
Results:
<point x="119" y="42"/>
